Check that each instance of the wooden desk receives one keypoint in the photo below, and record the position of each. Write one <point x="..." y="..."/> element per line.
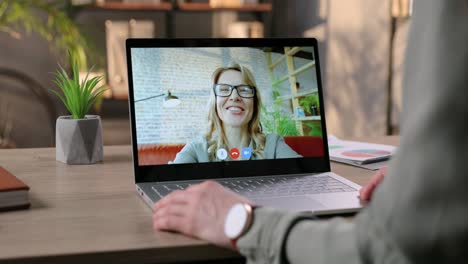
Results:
<point x="91" y="213"/>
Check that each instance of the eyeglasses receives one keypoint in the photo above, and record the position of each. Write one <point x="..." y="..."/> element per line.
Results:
<point x="225" y="90"/>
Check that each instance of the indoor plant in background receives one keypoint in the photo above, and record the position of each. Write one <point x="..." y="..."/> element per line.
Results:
<point x="310" y="104"/>
<point x="274" y="121"/>
<point x="50" y="19"/>
<point x="78" y="137"/>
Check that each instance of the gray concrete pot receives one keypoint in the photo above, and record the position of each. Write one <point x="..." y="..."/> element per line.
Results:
<point x="78" y="141"/>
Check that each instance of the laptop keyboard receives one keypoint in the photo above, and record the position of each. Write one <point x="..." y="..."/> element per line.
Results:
<point x="274" y="186"/>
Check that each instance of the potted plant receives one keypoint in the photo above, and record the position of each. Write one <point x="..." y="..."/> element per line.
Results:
<point x="310" y="104"/>
<point x="78" y="138"/>
<point x="275" y="121"/>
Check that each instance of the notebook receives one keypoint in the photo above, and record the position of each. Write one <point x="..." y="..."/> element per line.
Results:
<point x="14" y="193"/>
<point x="361" y="154"/>
<point x="228" y="110"/>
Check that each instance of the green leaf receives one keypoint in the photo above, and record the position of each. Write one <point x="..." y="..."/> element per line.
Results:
<point x="78" y="97"/>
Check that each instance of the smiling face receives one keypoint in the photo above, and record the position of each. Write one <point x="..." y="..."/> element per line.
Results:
<point x="234" y="110"/>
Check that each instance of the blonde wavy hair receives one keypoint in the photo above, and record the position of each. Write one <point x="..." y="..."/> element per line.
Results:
<point x="215" y="135"/>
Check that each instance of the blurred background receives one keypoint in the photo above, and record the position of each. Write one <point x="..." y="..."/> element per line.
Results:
<point x="361" y="47"/>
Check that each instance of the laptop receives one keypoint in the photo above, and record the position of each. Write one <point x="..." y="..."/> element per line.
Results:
<point x="189" y="97"/>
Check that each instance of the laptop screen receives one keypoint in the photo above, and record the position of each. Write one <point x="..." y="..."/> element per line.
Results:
<point x="214" y="111"/>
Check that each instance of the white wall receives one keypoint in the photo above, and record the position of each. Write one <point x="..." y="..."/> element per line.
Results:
<point x="357" y="62"/>
<point x="356" y="37"/>
<point x="401" y="38"/>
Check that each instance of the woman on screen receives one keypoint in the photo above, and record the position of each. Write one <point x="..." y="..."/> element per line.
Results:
<point x="234" y="130"/>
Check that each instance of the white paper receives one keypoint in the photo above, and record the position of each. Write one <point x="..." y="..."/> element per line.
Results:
<point x="353" y="152"/>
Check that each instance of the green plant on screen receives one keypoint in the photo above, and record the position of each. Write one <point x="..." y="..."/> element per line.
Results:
<point x="275" y="121"/>
<point x="309" y="101"/>
<point x="315" y="128"/>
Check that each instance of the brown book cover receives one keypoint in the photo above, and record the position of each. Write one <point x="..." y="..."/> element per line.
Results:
<point x="8" y="182"/>
<point x="13" y="192"/>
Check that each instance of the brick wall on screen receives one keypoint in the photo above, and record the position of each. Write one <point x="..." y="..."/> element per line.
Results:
<point x="187" y="74"/>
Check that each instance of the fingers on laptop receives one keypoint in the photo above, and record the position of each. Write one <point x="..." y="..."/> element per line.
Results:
<point x="170" y="212"/>
<point x="173" y="210"/>
<point x="366" y="192"/>
<point x="174" y="197"/>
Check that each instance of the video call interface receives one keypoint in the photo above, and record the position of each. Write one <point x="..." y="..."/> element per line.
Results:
<point x="198" y="105"/>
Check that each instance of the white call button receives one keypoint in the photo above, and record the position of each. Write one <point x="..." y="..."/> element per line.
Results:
<point x="221" y="154"/>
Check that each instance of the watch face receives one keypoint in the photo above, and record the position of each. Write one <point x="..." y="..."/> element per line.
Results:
<point x="236" y="220"/>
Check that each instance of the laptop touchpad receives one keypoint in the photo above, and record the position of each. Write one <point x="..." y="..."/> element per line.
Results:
<point x="295" y="204"/>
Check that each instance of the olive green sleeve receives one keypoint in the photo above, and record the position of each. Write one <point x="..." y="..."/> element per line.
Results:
<point x="281" y="237"/>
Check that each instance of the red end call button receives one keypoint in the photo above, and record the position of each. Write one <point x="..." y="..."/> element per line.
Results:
<point x="234" y="153"/>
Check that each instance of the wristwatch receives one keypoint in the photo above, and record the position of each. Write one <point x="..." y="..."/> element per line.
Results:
<point x="238" y="221"/>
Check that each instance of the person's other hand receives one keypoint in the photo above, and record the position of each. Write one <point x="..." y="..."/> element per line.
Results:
<point x="366" y="192"/>
<point x="198" y="211"/>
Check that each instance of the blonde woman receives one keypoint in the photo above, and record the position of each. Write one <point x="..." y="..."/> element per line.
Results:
<point x="234" y="130"/>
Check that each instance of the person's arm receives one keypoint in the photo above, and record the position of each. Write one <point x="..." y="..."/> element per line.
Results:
<point x="188" y="154"/>
<point x="419" y="214"/>
<point x="281" y="237"/>
<point x="274" y="236"/>
<point x="366" y="192"/>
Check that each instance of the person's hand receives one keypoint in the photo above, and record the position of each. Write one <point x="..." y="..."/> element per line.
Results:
<point x="198" y="211"/>
<point x="366" y="192"/>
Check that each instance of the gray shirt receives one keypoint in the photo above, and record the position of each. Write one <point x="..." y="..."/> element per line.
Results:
<point x="419" y="213"/>
<point x="196" y="151"/>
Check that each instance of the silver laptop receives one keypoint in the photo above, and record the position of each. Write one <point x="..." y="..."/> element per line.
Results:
<point x="247" y="113"/>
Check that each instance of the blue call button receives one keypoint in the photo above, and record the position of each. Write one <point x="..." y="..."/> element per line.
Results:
<point x="246" y="153"/>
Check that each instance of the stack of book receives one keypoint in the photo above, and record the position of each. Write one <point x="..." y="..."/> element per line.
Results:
<point x="14" y="194"/>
